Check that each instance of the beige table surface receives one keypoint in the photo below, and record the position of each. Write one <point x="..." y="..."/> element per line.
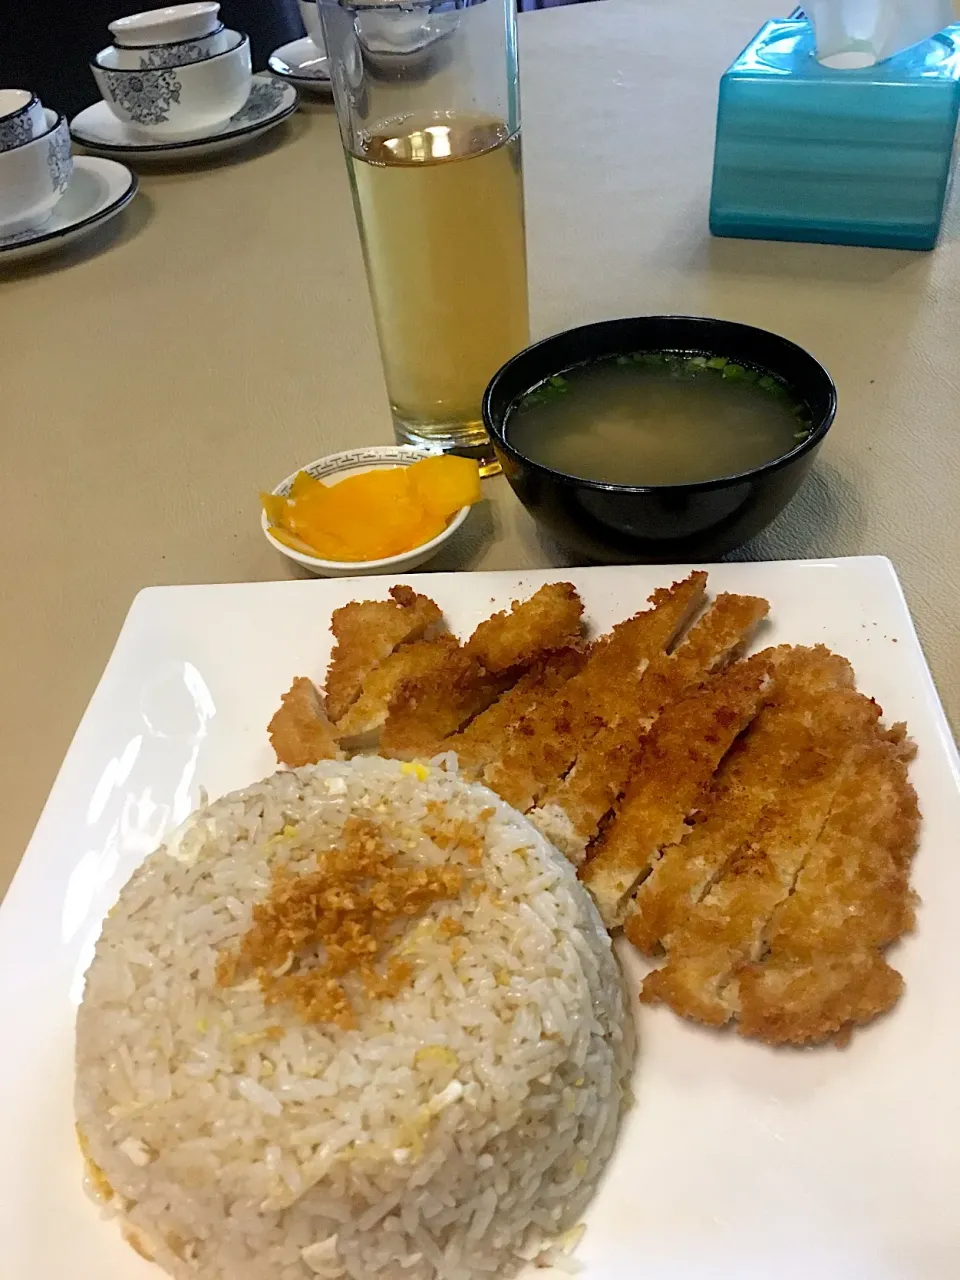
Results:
<point x="220" y="334"/>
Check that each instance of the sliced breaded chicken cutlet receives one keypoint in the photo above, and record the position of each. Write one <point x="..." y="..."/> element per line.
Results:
<point x="725" y="930"/>
<point x="386" y="680"/>
<point x="518" y="637"/>
<point x="572" y="810"/>
<point x="481" y="741"/>
<point x="427" y="709"/>
<point x="300" y="732"/>
<point x="748" y="781"/>
<point x="681" y="754"/>
<point x="750" y="823"/>
<point x="366" y="633"/>
<point x="421" y="660"/>
<point x="822" y="970"/>
<point x="774" y="908"/>
<point x="541" y="746"/>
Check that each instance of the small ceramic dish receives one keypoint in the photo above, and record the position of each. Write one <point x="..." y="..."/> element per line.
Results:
<point x="21" y="117"/>
<point x="177" y="102"/>
<point x="302" y="64"/>
<point x="142" y="57"/>
<point x="351" y="463"/>
<point x="33" y="176"/>
<point x="168" y="25"/>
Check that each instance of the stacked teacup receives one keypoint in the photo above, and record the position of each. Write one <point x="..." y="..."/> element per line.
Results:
<point x="175" y="72"/>
<point x="310" y="15"/>
<point x="35" y="161"/>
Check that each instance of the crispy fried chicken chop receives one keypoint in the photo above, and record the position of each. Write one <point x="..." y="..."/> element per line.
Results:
<point x="680" y="756"/>
<point x="572" y="810"/>
<point x="747" y="783"/>
<point x="427" y="709"/>
<point x="775" y="908"/>
<point x="549" y="620"/>
<point x="386" y="679"/>
<point x="367" y="632"/>
<point x="425" y="659"/>
<point x="300" y="732"/>
<point x="749" y="823"/>
<point x="822" y="970"/>
<point x="479" y="743"/>
<point x="540" y="748"/>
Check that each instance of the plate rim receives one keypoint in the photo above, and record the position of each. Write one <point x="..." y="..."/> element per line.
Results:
<point x="302" y="82"/>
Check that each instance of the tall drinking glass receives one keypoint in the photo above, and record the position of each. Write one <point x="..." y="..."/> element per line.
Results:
<point x="429" y="110"/>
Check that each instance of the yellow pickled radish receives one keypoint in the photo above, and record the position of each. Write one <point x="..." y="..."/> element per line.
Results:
<point x="333" y="551"/>
<point x="303" y="483"/>
<point x="447" y="483"/>
<point x="275" y="505"/>
<point x="380" y="513"/>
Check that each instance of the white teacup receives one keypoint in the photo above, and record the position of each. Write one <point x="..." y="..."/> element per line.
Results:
<point x="386" y="35"/>
<point x="21" y="117"/>
<point x="311" y="20"/>
<point x="171" y="25"/>
<point x="177" y="102"/>
<point x="138" y="57"/>
<point x="33" y="177"/>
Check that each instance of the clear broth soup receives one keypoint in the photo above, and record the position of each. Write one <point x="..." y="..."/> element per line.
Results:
<point x="658" y="418"/>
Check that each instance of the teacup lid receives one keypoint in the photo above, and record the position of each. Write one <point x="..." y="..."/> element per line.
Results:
<point x="167" y="26"/>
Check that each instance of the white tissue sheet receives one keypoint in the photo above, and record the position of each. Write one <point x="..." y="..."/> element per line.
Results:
<point x="858" y="33"/>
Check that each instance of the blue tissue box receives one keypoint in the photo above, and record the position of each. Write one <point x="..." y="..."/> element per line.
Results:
<point x="804" y="152"/>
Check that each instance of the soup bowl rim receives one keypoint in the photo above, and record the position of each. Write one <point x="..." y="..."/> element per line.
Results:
<point x="497" y="426"/>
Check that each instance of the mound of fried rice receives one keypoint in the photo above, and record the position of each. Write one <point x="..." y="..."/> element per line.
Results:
<point x="431" y="1090"/>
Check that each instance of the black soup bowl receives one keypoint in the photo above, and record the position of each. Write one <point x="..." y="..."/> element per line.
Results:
<point x="659" y="524"/>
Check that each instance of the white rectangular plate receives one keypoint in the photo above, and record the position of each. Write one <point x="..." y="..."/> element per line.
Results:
<point x="737" y="1163"/>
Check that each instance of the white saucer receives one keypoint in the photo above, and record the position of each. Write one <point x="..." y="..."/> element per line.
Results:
<point x="270" y="101"/>
<point x="97" y="191"/>
<point x="301" y="63"/>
